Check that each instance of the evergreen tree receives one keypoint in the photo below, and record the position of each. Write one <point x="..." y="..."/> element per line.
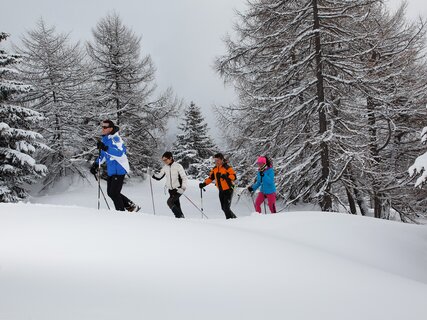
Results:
<point x="55" y="69"/>
<point x="193" y="146"/>
<point x="18" y="142"/>
<point x="123" y="89"/>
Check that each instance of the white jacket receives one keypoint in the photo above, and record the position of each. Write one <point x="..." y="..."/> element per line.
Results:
<point x="176" y="177"/>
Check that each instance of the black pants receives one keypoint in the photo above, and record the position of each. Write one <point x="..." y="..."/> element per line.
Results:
<point x="114" y="188"/>
<point x="174" y="204"/>
<point x="225" y="197"/>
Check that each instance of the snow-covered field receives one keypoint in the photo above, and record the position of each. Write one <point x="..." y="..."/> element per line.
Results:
<point x="61" y="259"/>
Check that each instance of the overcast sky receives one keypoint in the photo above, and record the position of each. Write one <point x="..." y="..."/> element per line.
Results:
<point x="183" y="37"/>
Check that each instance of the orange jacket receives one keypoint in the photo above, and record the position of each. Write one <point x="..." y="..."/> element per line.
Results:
<point x="223" y="175"/>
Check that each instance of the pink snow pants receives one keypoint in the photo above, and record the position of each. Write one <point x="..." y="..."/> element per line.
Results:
<point x="271" y="201"/>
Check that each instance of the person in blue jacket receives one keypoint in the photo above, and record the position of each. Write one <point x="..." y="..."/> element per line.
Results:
<point x="265" y="180"/>
<point x="112" y="150"/>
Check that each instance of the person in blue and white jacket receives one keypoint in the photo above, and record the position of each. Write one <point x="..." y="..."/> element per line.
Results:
<point x="112" y="150"/>
<point x="265" y="180"/>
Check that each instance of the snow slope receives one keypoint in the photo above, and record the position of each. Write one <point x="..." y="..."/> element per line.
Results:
<point x="62" y="262"/>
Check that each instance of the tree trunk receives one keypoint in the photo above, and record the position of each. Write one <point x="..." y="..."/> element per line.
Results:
<point x="373" y="147"/>
<point x="351" y="201"/>
<point x="326" y="200"/>
<point x="117" y="100"/>
<point x="360" y="202"/>
<point x="357" y="193"/>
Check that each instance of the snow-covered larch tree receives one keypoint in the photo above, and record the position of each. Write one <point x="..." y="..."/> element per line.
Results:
<point x="303" y="70"/>
<point x="55" y="69"/>
<point x="18" y="142"/>
<point x="290" y="62"/>
<point x="392" y="91"/>
<point x="124" y="87"/>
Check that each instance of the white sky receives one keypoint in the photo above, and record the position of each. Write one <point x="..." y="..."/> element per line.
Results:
<point x="183" y="37"/>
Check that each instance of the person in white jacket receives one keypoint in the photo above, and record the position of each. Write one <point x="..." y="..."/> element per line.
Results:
<point x="176" y="182"/>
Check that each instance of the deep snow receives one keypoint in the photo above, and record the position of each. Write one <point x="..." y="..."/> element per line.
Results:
<point x="74" y="262"/>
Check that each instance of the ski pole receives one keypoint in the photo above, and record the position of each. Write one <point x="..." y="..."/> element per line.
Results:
<point x="196" y="206"/>
<point x="249" y="194"/>
<point x="201" y="200"/>
<point x="151" y="188"/>
<point x="252" y="198"/>
<point x="105" y="199"/>
<point x="99" y="194"/>
<point x="106" y="202"/>
<point x="97" y="178"/>
<point x="239" y="194"/>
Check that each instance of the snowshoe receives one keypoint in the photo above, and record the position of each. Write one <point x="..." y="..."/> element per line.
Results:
<point x="133" y="208"/>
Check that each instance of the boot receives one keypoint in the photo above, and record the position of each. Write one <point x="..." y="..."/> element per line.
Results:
<point x="133" y="207"/>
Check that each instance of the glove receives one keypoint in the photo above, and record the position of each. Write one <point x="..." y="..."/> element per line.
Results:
<point x="250" y="189"/>
<point x="101" y="146"/>
<point x="202" y="185"/>
<point x="180" y="190"/>
<point x="94" y="168"/>
<point x="261" y="173"/>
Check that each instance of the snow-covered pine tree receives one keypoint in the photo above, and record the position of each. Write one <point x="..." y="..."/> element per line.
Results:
<point x="123" y="89"/>
<point x="55" y="69"/>
<point x="18" y="142"/>
<point x="193" y="147"/>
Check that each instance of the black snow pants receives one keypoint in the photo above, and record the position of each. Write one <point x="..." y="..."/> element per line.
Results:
<point x="225" y="197"/>
<point x="174" y="204"/>
<point x="114" y="188"/>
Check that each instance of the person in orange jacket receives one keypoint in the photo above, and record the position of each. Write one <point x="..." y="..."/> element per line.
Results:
<point x="224" y="175"/>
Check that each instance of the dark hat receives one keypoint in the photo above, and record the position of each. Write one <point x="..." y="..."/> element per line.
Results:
<point x="219" y="156"/>
<point x="110" y="123"/>
<point x="167" y="155"/>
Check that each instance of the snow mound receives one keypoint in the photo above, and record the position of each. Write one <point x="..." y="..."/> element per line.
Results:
<point x="59" y="262"/>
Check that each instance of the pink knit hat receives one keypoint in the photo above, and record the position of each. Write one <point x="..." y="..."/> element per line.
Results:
<point x="262" y="160"/>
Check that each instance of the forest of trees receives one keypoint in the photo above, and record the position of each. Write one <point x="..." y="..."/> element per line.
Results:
<point x="67" y="89"/>
<point x="333" y="91"/>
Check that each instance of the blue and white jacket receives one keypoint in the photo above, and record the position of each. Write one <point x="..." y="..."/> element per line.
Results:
<point x="115" y="156"/>
<point x="266" y="182"/>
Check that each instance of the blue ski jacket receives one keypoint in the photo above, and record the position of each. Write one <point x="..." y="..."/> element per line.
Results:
<point x="115" y="156"/>
<point x="266" y="182"/>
